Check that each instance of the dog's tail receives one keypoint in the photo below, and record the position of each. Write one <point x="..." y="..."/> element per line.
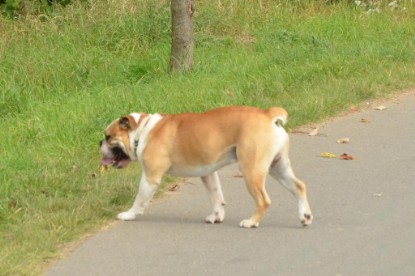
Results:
<point x="278" y="114"/>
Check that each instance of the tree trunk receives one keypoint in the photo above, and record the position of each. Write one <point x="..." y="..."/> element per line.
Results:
<point x="181" y="58"/>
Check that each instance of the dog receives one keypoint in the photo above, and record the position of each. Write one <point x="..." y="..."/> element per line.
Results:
<point x="198" y="145"/>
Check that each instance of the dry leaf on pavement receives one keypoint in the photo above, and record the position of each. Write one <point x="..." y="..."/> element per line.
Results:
<point x="380" y="107"/>
<point x="343" y="140"/>
<point x="354" y="108"/>
<point x="314" y="132"/>
<point x="345" y="156"/>
<point x="327" y="155"/>
<point x="173" y="188"/>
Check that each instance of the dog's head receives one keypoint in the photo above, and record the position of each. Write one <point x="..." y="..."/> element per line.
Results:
<point x="117" y="148"/>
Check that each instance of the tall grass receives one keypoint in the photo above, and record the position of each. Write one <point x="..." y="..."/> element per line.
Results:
<point x="66" y="73"/>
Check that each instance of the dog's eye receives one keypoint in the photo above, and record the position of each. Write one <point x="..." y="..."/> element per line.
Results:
<point x="107" y="138"/>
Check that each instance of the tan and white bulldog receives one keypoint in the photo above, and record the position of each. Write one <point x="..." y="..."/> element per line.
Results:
<point x="199" y="144"/>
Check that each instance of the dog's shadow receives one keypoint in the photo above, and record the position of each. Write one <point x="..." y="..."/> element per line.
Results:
<point x="197" y="222"/>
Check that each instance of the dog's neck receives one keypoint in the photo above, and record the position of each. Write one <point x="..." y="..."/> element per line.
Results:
<point x="145" y="124"/>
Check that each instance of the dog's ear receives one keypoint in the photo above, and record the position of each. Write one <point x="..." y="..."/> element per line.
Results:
<point x="125" y="123"/>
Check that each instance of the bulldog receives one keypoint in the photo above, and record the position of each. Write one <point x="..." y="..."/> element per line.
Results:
<point x="198" y="145"/>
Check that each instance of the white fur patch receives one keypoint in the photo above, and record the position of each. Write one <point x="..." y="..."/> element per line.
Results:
<point x="143" y="132"/>
<point x="282" y="137"/>
<point x="136" y="116"/>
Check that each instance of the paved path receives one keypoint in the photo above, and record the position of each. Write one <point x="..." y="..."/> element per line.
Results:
<point x="364" y="214"/>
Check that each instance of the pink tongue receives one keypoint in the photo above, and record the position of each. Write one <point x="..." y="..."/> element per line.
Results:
<point x="106" y="161"/>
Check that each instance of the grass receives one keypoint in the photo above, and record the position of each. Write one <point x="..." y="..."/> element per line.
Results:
<point x="67" y="73"/>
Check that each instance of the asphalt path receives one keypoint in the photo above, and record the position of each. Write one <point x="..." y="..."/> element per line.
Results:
<point x="364" y="213"/>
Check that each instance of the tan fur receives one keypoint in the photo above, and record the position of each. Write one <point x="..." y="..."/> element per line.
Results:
<point x="200" y="143"/>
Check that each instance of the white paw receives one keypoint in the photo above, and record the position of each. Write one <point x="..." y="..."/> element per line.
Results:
<point x="126" y="216"/>
<point x="306" y="219"/>
<point x="216" y="217"/>
<point x="248" y="223"/>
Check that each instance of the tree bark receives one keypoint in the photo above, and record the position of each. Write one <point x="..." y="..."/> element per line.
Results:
<point x="181" y="58"/>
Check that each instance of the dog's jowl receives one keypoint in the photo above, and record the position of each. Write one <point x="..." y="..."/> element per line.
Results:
<point x="199" y="144"/>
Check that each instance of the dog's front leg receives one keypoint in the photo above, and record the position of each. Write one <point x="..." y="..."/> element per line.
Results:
<point x="214" y="189"/>
<point x="145" y="193"/>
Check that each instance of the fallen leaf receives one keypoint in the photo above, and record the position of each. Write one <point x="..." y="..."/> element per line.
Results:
<point x="74" y="168"/>
<point x="343" y="140"/>
<point x="363" y="120"/>
<point x="345" y="156"/>
<point x="174" y="188"/>
<point x="103" y="169"/>
<point x="380" y="107"/>
<point x="354" y="109"/>
<point x="327" y="155"/>
<point x="314" y="132"/>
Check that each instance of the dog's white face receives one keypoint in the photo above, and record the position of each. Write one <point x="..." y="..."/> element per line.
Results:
<point x="117" y="148"/>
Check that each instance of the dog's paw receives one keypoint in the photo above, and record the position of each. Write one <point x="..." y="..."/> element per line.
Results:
<point x="216" y="217"/>
<point x="126" y="216"/>
<point x="248" y="223"/>
<point x="306" y="219"/>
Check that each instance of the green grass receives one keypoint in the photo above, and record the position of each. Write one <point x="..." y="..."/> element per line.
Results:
<point x="66" y="74"/>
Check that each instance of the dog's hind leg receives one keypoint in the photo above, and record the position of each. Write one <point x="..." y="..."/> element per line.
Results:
<point x="254" y="155"/>
<point x="145" y="193"/>
<point x="255" y="182"/>
<point x="212" y="184"/>
<point x="281" y="170"/>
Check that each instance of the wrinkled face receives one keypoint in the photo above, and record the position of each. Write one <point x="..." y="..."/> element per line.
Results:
<point x="116" y="147"/>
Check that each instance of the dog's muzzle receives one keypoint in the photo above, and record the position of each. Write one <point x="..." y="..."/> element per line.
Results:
<point x="114" y="156"/>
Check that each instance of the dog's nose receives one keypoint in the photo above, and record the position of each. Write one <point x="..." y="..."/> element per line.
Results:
<point x="100" y="143"/>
